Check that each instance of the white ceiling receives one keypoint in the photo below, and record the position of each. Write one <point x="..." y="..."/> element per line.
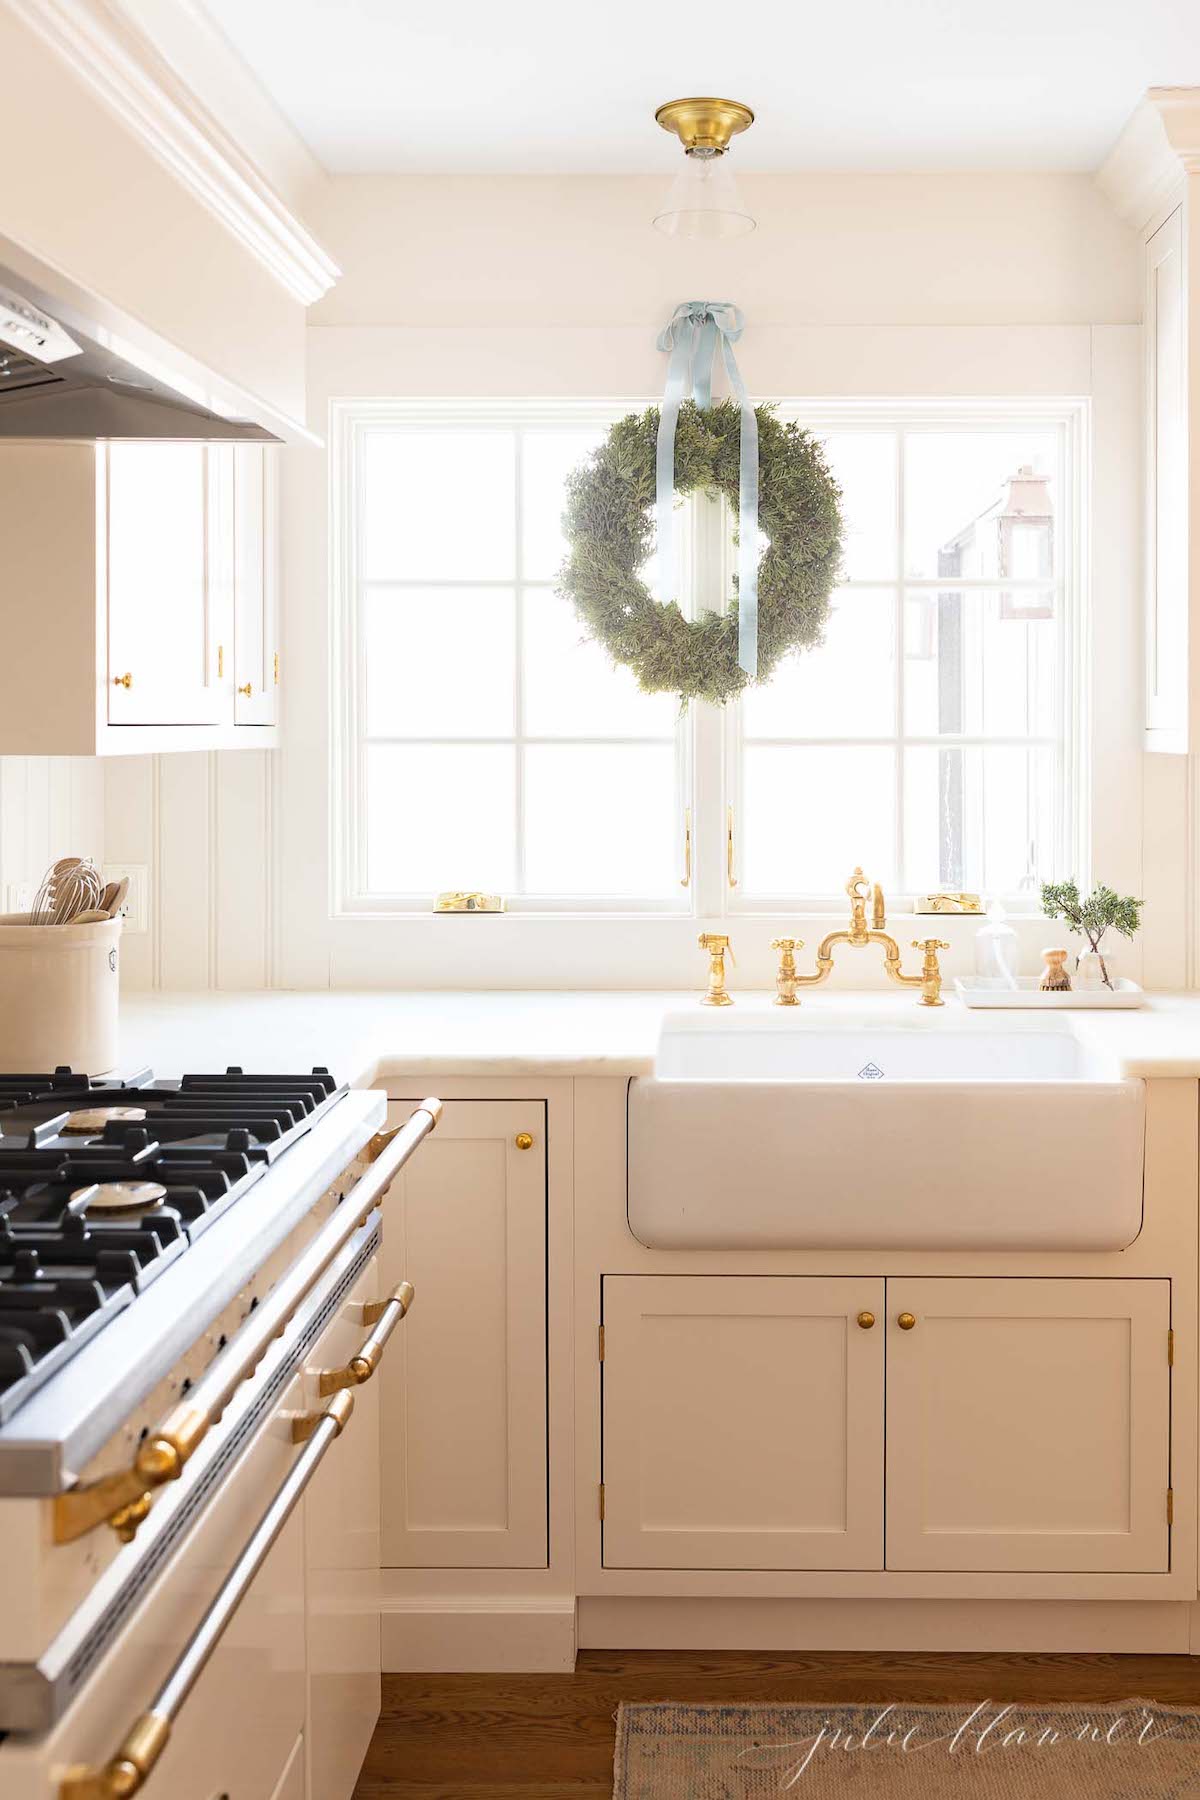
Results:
<point x="571" y="85"/>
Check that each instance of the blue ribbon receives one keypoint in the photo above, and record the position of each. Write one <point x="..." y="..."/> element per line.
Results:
<point x="691" y="340"/>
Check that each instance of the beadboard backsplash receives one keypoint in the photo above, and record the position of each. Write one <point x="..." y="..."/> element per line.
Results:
<point x="202" y="825"/>
<point x="50" y="806"/>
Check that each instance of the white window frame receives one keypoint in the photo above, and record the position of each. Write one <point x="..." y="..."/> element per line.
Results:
<point x="1069" y="420"/>
<point x="709" y="738"/>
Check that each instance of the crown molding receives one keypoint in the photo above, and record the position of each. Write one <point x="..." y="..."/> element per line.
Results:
<point x="119" y="62"/>
<point x="1150" y="161"/>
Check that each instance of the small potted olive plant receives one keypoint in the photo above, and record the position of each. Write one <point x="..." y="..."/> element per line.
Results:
<point x="1102" y="911"/>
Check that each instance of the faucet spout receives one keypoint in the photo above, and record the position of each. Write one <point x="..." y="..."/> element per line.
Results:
<point x="858" y="936"/>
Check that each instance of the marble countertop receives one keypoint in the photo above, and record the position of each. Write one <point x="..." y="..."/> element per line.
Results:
<point x="364" y="1037"/>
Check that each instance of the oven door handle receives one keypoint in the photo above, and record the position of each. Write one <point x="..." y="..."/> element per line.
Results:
<point x="128" y="1770"/>
<point x="124" y="1499"/>
<point x="384" y="1315"/>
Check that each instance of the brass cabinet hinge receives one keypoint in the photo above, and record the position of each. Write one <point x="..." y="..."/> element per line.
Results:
<point x="1170" y="1506"/>
<point x="602" y="1343"/>
<point x="220" y="661"/>
<point x="1170" y="1349"/>
<point x="277" y="668"/>
<point x="601" y="1500"/>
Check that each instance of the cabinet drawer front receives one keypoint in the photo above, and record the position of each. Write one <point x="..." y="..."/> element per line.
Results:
<point x="743" y="1422"/>
<point x="464" y="1391"/>
<point x="1028" y="1425"/>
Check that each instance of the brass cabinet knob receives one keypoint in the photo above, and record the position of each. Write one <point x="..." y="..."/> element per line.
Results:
<point x="866" y="1320"/>
<point x="906" y="1321"/>
<point x="523" y="1141"/>
<point x="247" y="690"/>
<point x="125" y="680"/>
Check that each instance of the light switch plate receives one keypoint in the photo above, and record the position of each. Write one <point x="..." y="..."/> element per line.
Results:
<point x="136" y="910"/>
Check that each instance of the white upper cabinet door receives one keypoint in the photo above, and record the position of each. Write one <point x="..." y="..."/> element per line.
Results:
<point x="162" y="611"/>
<point x="341" y="1532"/>
<point x="1168" y="638"/>
<point x="255" y="585"/>
<point x="743" y="1422"/>
<point x="1028" y="1425"/>
<point x="464" y="1391"/>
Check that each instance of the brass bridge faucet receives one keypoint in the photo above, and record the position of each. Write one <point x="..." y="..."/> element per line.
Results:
<point x="859" y="935"/>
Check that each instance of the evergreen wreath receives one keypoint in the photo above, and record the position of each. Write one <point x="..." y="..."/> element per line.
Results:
<point x="609" y="527"/>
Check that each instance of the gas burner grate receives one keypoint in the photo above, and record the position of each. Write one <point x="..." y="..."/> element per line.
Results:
<point x="197" y="1144"/>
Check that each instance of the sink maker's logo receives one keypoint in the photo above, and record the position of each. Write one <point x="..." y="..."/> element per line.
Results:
<point x="870" y="1072"/>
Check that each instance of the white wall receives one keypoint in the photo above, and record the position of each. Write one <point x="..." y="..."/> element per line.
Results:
<point x="889" y="285"/>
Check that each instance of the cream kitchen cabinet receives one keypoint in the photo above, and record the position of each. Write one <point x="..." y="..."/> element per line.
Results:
<point x="140" y="597"/>
<point x="463" y="1394"/>
<point x="1027" y="1424"/>
<point x="743" y="1422"/>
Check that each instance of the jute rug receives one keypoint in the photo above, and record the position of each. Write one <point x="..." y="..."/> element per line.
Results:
<point x="1136" y="1750"/>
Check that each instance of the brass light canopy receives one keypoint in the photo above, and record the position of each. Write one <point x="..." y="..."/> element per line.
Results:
<point x="704" y="201"/>
<point x="705" y="124"/>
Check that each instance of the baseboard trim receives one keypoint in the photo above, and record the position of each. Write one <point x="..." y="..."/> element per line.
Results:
<point x="448" y="1634"/>
<point x="1130" y="1627"/>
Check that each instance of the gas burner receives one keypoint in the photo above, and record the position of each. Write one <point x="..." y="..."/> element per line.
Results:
<point x="103" y="1184"/>
<point x="79" y="1124"/>
<point x="119" y="1196"/>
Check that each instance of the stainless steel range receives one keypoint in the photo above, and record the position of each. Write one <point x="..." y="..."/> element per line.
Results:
<point x="171" y="1254"/>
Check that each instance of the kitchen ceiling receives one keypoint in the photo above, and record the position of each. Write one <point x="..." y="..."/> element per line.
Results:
<point x="547" y="86"/>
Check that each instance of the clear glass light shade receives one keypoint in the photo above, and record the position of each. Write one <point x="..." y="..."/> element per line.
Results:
<point x="704" y="201"/>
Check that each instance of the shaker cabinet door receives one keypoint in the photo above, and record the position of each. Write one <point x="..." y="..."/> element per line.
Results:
<point x="464" y="1392"/>
<point x="1028" y="1425"/>
<point x="255" y="585"/>
<point x="163" y="560"/>
<point x="743" y="1422"/>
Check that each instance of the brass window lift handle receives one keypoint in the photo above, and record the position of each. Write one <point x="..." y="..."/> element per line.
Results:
<point x="384" y="1316"/>
<point x="123" y="1499"/>
<point x="127" y="1772"/>
<point x="687" y="848"/>
<point x="730" y="873"/>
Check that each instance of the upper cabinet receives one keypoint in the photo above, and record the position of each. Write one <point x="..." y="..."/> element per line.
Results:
<point x="140" y="598"/>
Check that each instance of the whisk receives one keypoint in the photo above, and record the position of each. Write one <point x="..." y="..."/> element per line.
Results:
<point x="69" y="887"/>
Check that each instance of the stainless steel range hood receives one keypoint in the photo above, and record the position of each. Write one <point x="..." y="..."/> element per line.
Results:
<point x="75" y="367"/>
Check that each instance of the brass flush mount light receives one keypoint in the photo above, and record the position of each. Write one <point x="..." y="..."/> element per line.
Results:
<point x="704" y="201"/>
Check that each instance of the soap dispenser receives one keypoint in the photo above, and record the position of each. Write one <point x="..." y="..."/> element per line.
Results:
<point x="996" y="948"/>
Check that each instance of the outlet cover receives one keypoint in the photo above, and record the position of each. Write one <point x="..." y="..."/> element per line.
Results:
<point x="18" y="896"/>
<point x="136" y="910"/>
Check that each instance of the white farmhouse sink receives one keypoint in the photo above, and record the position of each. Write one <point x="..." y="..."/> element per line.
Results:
<point x="881" y="1130"/>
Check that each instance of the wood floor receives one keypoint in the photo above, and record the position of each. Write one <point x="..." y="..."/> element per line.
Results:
<point x="550" y="1737"/>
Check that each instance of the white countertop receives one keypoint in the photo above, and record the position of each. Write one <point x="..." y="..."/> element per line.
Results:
<point x="365" y="1036"/>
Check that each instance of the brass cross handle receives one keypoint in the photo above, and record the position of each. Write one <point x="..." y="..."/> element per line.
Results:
<point x="931" y="971"/>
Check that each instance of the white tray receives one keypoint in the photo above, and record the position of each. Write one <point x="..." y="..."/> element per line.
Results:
<point x="986" y="990"/>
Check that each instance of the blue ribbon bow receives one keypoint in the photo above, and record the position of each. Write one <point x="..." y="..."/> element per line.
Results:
<point x="691" y="339"/>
